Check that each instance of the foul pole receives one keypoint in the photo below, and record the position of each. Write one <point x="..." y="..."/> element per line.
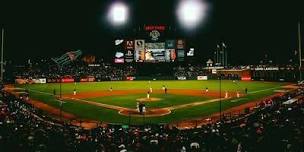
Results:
<point x="300" y="51"/>
<point x="2" y="49"/>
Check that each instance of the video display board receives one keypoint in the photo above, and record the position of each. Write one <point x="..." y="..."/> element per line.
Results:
<point x="149" y="51"/>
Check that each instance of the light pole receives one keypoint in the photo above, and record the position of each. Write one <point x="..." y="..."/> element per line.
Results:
<point x="2" y="47"/>
<point x="300" y="51"/>
<point x="220" y="95"/>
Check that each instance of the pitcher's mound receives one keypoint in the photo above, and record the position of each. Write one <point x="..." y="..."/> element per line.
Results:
<point x="148" y="100"/>
<point x="149" y="113"/>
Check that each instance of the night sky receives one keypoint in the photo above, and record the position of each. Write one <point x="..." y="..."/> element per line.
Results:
<point x="250" y="29"/>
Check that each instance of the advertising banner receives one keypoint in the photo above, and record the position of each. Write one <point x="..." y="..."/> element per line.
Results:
<point x="118" y="42"/>
<point x="170" y="55"/>
<point x="42" y="80"/>
<point x="180" y="55"/>
<point x="130" y="78"/>
<point x="139" y="45"/>
<point x="67" y="80"/>
<point x="202" y="78"/>
<point x="170" y="44"/>
<point x="129" y="56"/>
<point x="30" y="81"/>
<point x="180" y="44"/>
<point x="181" y="78"/>
<point x="119" y="57"/>
<point x="88" y="79"/>
<point x="190" y="52"/>
<point x="246" y="78"/>
<point x="53" y="80"/>
<point x="129" y="45"/>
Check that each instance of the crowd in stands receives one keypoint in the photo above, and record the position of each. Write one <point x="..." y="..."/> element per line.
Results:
<point x="103" y="71"/>
<point x="190" y="71"/>
<point x="100" y="71"/>
<point x="272" y="126"/>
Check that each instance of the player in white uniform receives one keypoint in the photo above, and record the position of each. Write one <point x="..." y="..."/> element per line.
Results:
<point x="148" y="95"/>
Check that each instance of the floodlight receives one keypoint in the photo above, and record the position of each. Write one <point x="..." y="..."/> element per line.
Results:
<point x="191" y="13"/>
<point x="118" y="14"/>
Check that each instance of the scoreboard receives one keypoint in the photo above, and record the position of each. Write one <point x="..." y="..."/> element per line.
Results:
<point x="150" y="49"/>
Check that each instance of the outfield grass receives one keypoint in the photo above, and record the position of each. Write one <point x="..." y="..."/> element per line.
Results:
<point x="256" y="90"/>
<point x="67" y="88"/>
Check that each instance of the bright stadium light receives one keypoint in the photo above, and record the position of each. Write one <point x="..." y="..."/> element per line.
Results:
<point x="118" y="14"/>
<point x="191" y="13"/>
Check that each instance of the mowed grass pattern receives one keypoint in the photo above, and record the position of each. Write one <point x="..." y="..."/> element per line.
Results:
<point x="228" y="85"/>
<point x="256" y="91"/>
<point x="129" y="101"/>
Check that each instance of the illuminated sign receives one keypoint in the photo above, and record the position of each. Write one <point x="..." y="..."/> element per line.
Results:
<point x="139" y="44"/>
<point x="191" y="52"/>
<point x="129" y="44"/>
<point x="117" y="42"/>
<point x="155" y="27"/>
<point x="267" y="69"/>
<point x="170" y="44"/>
<point x="180" y="44"/>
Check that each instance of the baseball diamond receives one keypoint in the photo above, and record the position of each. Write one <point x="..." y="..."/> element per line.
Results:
<point x="184" y="100"/>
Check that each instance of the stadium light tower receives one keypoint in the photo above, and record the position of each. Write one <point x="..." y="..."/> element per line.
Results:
<point x="118" y="14"/>
<point x="191" y="13"/>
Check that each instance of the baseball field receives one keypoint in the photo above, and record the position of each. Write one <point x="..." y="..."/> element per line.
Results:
<point x="116" y="101"/>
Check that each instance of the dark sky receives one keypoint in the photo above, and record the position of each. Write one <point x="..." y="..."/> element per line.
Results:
<point x="250" y="28"/>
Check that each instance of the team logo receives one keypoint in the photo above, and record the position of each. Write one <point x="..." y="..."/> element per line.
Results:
<point x="154" y="35"/>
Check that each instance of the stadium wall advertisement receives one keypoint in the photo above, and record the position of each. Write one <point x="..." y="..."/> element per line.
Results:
<point x="181" y="78"/>
<point x="88" y="79"/>
<point x="130" y="78"/>
<point x="67" y="80"/>
<point x="202" y="77"/>
<point x="246" y="78"/>
<point x="30" y="81"/>
<point x="64" y="80"/>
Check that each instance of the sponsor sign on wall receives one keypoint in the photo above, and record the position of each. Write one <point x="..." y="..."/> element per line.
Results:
<point x="42" y="80"/>
<point x="246" y="78"/>
<point x="130" y="78"/>
<point x="202" y="78"/>
<point x="88" y="79"/>
<point x="181" y="78"/>
<point x="67" y="80"/>
<point x="30" y="81"/>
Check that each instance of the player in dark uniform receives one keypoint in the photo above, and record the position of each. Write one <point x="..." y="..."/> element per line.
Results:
<point x="246" y="90"/>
